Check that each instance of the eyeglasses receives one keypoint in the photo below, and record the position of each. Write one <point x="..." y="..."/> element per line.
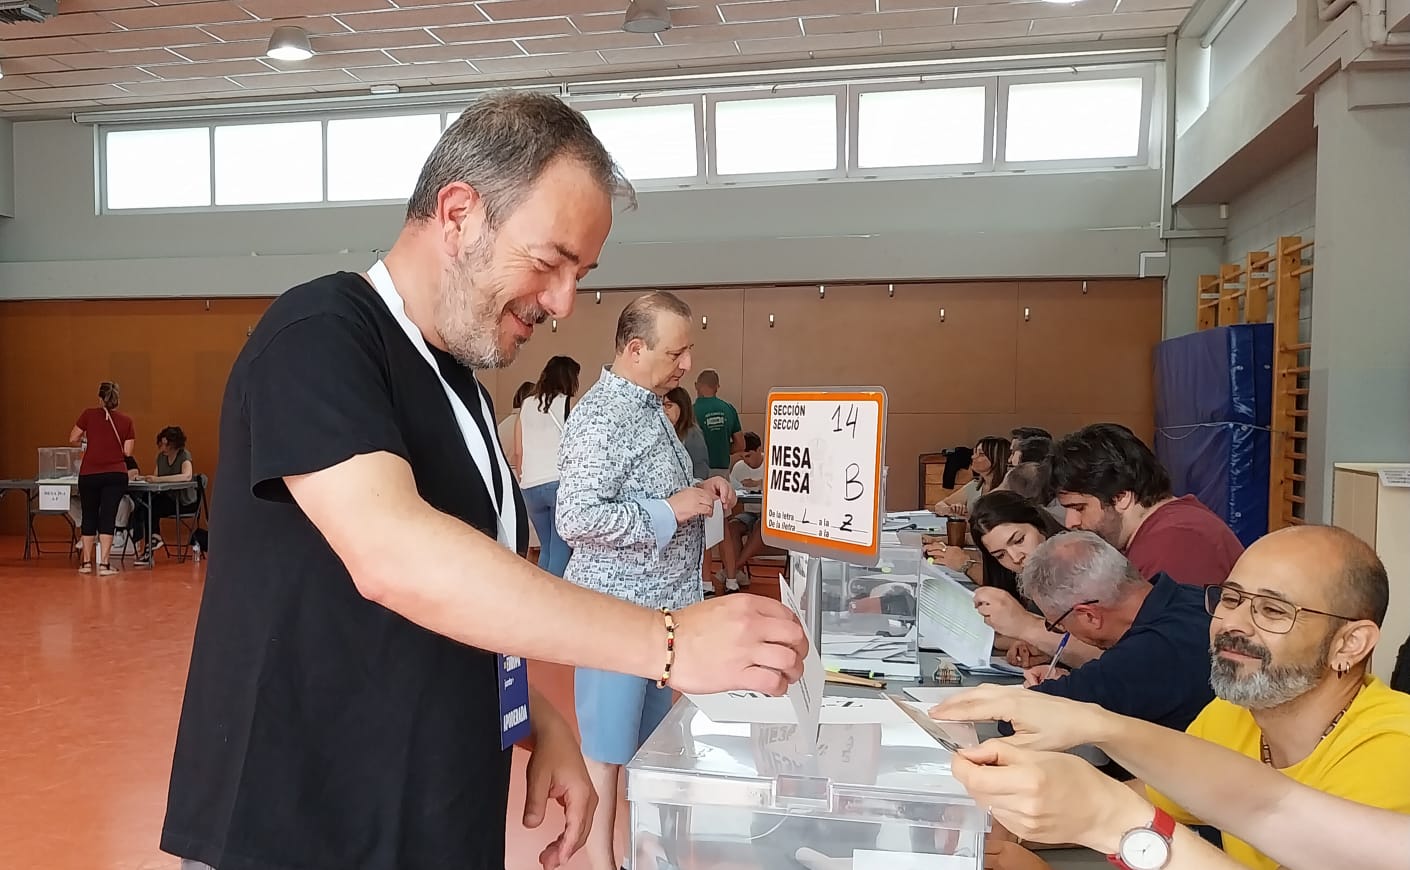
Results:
<point x="1055" y="626"/>
<point x="1270" y="614"/>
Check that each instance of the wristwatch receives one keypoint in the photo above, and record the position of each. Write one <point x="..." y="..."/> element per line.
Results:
<point x="1146" y="848"/>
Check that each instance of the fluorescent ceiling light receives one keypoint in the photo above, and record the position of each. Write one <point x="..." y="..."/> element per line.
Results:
<point x="647" y="16"/>
<point x="289" y="43"/>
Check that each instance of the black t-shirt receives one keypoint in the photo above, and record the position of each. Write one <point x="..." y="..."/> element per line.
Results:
<point x="321" y="731"/>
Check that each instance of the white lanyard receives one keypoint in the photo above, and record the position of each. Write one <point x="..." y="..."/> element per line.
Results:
<point x="475" y="442"/>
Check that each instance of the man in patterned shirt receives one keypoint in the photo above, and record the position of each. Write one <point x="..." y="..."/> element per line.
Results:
<point x="632" y="511"/>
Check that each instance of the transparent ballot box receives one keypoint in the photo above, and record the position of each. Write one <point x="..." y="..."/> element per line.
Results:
<point x="872" y="600"/>
<point x="709" y="795"/>
<point x="58" y="463"/>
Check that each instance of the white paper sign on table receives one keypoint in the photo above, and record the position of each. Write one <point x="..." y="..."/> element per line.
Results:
<point x="54" y="497"/>
<point x="1399" y="477"/>
<point x="949" y="622"/>
<point x="715" y="526"/>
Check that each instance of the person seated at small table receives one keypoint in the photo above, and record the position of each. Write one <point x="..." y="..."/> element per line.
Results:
<point x="1154" y="636"/>
<point x="989" y="463"/>
<point x="1111" y="483"/>
<point x="742" y="529"/>
<point x="173" y="465"/>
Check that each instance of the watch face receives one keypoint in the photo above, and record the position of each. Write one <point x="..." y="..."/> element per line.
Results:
<point x="1144" y="849"/>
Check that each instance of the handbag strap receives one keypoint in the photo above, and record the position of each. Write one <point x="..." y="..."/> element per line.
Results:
<point x="113" y="426"/>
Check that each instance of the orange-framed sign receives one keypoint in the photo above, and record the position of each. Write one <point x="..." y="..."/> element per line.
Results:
<point x="823" y="452"/>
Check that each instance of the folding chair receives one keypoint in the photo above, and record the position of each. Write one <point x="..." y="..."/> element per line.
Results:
<point x="187" y="524"/>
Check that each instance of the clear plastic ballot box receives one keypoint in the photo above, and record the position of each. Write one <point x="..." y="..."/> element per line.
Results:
<point x="872" y="600"/>
<point x="729" y="796"/>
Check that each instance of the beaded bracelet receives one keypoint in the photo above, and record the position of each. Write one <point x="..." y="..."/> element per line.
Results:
<point x="670" y="648"/>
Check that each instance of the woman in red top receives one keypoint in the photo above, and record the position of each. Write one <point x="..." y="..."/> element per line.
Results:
<point x="102" y="476"/>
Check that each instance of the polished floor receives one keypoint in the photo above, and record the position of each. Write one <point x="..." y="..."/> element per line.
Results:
<point x="91" y="675"/>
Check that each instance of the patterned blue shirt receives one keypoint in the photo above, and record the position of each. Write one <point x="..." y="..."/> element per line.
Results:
<point x="619" y="461"/>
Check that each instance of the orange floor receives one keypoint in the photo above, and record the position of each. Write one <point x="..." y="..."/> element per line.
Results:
<point x="91" y="675"/>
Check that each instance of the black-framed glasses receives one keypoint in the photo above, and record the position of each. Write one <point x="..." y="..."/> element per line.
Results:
<point x="1269" y="613"/>
<point x="1054" y="626"/>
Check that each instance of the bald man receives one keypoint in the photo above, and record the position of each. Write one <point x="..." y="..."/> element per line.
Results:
<point x="1291" y="638"/>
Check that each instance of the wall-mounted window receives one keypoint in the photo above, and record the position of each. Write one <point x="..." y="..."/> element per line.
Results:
<point x="158" y="168"/>
<point x="371" y="159"/>
<point x="767" y="135"/>
<point x="1022" y="122"/>
<point x="1098" y="120"/>
<point x="269" y="164"/>
<point x="651" y="140"/>
<point x="898" y="128"/>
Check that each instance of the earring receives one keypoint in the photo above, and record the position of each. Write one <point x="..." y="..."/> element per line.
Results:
<point x="1341" y="670"/>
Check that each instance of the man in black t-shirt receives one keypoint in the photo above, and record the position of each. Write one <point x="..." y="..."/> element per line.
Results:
<point x="357" y="677"/>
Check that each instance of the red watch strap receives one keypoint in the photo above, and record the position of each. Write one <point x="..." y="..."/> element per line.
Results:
<point x="1163" y="824"/>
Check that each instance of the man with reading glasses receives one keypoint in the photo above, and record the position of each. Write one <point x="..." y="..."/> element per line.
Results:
<point x="1291" y="638"/>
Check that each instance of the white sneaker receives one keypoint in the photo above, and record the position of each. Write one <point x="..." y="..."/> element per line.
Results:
<point x="731" y="585"/>
<point x="744" y="580"/>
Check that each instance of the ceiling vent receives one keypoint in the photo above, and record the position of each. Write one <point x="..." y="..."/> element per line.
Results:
<point x="20" y="11"/>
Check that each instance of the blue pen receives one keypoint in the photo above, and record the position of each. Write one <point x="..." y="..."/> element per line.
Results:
<point x="1056" y="654"/>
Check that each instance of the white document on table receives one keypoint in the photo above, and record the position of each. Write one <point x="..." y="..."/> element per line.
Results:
<point x="949" y="622"/>
<point x="715" y="526"/>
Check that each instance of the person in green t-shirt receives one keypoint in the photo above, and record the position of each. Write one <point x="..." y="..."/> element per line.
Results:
<point x="719" y="421"/>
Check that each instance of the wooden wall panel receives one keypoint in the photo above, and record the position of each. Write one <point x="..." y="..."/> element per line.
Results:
<point x="1079" y="358"/>
<point x="860" y="335"/>
<point x="1088" y="351"/>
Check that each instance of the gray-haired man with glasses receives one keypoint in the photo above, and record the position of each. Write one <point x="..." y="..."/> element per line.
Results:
<point x="1154" y="635"/>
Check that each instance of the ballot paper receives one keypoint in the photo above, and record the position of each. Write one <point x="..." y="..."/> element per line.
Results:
<point x="806" y="695"/>
<point x="715" y="526"/>
<point x="932" y="695"/>
<point x="948" y="621"/>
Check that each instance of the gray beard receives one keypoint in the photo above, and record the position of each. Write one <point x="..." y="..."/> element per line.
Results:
<point x="1271" y="686"/>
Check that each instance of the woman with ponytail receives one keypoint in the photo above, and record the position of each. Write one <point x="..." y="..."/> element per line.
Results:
<point x="102" y="475"/>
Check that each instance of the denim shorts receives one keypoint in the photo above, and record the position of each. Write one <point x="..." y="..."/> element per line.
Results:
<point x="616" y="713"/>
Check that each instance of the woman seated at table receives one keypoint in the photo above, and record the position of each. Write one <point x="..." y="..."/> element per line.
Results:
<point x="173" y="465"/>
<point x="989" y="464"/>
<point x="1009" y="528"/>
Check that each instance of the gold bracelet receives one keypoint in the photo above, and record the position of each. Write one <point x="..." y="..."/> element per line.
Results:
<point x="670" y="648"/>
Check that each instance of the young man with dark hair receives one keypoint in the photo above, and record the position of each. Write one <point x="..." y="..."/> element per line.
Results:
<point x="1109" y="482"/>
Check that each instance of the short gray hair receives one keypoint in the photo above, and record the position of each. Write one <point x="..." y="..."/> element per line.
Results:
<point x="1073" y="567"/>
<point x="638" y="319"/>
<point x="502" y="144"/>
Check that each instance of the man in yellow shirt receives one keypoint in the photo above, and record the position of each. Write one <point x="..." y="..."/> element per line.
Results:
<point x="1291" y="639"/>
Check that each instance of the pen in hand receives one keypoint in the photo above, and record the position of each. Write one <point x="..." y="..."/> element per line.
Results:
<point x="1057" y="653"/>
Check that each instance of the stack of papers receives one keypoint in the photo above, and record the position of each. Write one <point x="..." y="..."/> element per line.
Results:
<point x="889" y="657"/>
<point x="997" y="667"/>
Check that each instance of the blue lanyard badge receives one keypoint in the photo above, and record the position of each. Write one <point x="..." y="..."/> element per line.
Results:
<point x="513" y="700"/>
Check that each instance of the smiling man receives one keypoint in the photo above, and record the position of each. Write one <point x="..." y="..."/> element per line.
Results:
<point x="1291" y="639"/>
<point x="357" y="679"/>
